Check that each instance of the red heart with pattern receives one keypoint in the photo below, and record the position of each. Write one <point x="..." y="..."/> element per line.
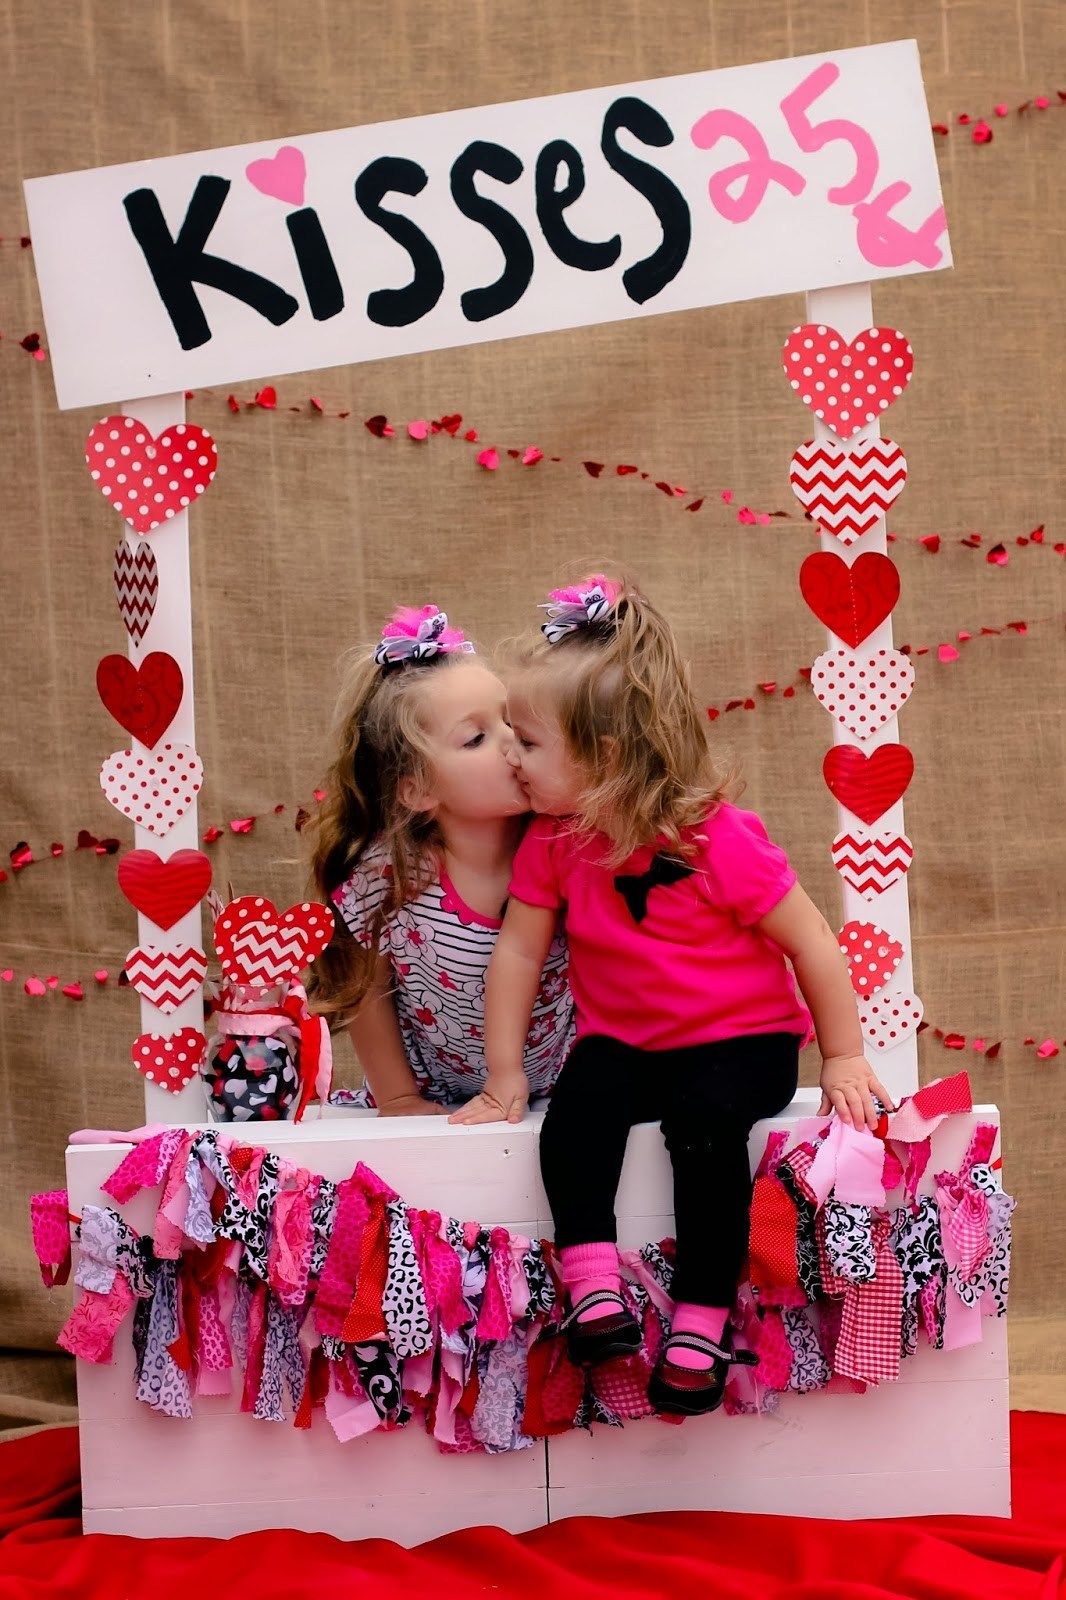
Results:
<point x="169" y="1061"/>
<point x="142" y="699"/>
<point x="153" y="791"/>
<point x="872" y="862"/>
<point x="149" y="480"/>
<point x="889" y="1019"/>
<point x="847" y="490"/>
<point x="260" y="946"/>
<point x="166" y="978"/>
<point x="847" y="386"/>
<point x="868" y="784"/>
<point x="164" y="890"/>
<point x="862" y="692"/>
<point x="851" y="601"/>
<point x="872" y="955"/>
<point x="136" y="576"/>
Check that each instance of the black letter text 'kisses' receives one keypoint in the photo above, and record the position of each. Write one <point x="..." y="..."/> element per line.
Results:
<point x="648" y="277"/>
<point x="572" y="251"/>
<point x="177" y="263"/>
<point x="396" y="308"/>
<point x="500" y="163"/>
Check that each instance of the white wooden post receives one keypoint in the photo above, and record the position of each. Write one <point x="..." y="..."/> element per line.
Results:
<point x="171" y="630"/>
<point x="849" y="309"/>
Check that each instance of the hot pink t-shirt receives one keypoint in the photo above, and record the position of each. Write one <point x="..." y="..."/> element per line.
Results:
<point x="662" y="964"/>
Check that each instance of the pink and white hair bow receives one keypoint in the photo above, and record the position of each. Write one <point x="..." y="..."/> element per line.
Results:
<point x="417" y="634"/>
<point x="580" y="606"/>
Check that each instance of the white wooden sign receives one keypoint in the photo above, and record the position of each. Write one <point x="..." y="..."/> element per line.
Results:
<point x="454" y="229"/>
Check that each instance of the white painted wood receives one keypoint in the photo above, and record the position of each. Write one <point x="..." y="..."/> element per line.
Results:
<point x="170" y="630"/>
<point x="935" y="1442"/>
<point x="849" y="309"/>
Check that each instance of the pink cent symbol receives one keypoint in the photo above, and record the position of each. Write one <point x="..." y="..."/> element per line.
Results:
<point x="884" y="242"/>
<point x="756" y="173"/>
<point x="811" y="136"/>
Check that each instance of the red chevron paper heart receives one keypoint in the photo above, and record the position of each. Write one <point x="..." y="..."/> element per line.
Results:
<point x="868" y="784"/>
<point x="847" y="491"/>
<point x="260" y="946"/>
<point x="847" y="386"/>
<point x="164" y="890"/>
<point x="149" y="480"/>
<point x="170" y="1061"/>
<point x="142" y="699"/>
<point x="872" y="955"/>
<point x="888" y="1019"/>
<point x="862" y="691"/>
<point x="166" y="978"/>
<point x="851" y="601"/>
<point x="872" y="862"/>
<point x="153" y="791"/>
<point x="136" y="576"/>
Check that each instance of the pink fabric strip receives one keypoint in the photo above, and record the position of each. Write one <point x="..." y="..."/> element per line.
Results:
<point x="90" y="1329"/>
<point x="336" y="1286"/>
<point x="50" y="1224"/>
<point x="494" y="1318"/>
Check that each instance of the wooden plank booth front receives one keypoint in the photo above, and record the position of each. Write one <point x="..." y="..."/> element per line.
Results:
<point x="813" y="175"/>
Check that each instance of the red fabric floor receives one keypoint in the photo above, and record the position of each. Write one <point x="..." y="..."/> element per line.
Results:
<point x="683" y="1555"/>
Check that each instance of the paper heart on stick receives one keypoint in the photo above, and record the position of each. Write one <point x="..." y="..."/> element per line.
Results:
<point x="164" y="890"/>
<point x="872" y="862"/>
<point x="142" y="699"/>
<point x="868" y="784"/>
<point x="847" y="386"/>
<point x="260" y="946"/>
<point x="166" y="978"/>
<point x="862" y="692"/>
<point x="872" y="955"/>
<point x="888" y="1019"/>
<point x="153" y="791"/>
<point x="169" y="1061"/>
<point x="848" y="489"/>
<point x="149" y="480"/>
<point x="850" y="601"/>
<point x="136" y="576"/>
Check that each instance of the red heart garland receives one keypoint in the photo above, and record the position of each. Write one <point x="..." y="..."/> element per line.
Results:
<point x="149" y="480"/>
<point x="851" y="601"/>
<point x="872" y="955"/>
<point x="169" y="1061"/>
<point x="164" y="890"/>
<point x="144" y="700"/>
<point x="847" y="386"/>
<point x="260" y="946"/>
<point x="868" y="784"/>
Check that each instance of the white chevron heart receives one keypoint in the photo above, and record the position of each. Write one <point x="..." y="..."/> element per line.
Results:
<point x="166" y="978"/>
<point x="862" y="692"/>
<point x="847" y="491"/>
<point x="888" y="1019"/>
<point x="155" y="789"/>
<point x="872" y="862"/>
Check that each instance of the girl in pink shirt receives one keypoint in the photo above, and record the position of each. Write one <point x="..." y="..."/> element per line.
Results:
<point x="679" y="913"/>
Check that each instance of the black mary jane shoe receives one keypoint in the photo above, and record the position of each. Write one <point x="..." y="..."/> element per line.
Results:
<point x="599" y="1339"/>
<point x="694" y="1391"/>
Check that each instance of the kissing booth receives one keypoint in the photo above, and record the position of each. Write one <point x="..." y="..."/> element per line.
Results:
<point x="813" y="175"/>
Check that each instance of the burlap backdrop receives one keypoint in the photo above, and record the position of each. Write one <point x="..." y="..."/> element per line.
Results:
<point x="314" y="529"/>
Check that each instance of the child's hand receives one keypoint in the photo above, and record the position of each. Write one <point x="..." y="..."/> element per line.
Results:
<point x="411" y="1105"/>
<point x="501" y="1100"/>
<point x="848" y="1084"/>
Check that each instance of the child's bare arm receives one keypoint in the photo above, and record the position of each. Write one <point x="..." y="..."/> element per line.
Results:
<point x="375" y="1033"/>
<point x="847" y="1079"/>
<point x="511" y="985"/>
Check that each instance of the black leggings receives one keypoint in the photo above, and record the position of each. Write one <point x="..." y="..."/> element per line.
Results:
<point x="707" y="1098"/>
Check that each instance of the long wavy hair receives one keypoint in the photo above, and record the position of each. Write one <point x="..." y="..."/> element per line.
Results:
<point x="622" y="695"/>
<point x="379" y="739"/>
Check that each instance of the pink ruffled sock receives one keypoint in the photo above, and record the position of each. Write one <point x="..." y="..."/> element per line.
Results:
<point x="584" y="1268"/>
<point x="709" y="1321"/>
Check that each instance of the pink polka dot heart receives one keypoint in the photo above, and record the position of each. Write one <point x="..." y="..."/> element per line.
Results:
<point x="260" y="946"/>
<point x="169" y="1061"/>
<point x="149" y="480"/>
<point x="153" y="790"/>
<point x="890" y="1018"/>
<point x="872" y="955"/>
<point x="847" y="386"/>
<point x="862" y="692"/>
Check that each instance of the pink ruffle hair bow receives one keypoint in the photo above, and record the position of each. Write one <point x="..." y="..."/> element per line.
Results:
<point x="417" y="634"/>
<point x="581" y="605"/>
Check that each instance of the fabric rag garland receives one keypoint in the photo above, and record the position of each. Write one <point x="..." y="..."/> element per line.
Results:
<point x="304" y="1294"/>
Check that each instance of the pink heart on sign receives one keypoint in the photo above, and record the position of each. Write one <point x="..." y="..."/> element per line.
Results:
<point x="872" y="955"/>
<point x="282" y="176"/>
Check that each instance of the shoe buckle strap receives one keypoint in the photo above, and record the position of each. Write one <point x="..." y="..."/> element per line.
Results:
<point x="598" y="1297"/>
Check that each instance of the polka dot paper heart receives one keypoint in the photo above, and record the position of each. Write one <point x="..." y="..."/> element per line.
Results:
<point x="153" y="790"/>
<point x="149" y="480"/>
<point x="260" y="946"/>
<point x="169" y="1061"/>
<point x="872" y="955"/>
<point x="890" y="1018"/>
<point x="847" y="386"/>
<point x="862" y="692"/>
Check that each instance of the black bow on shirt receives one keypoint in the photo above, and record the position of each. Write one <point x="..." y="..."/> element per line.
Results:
<point x="635" y="887"/>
